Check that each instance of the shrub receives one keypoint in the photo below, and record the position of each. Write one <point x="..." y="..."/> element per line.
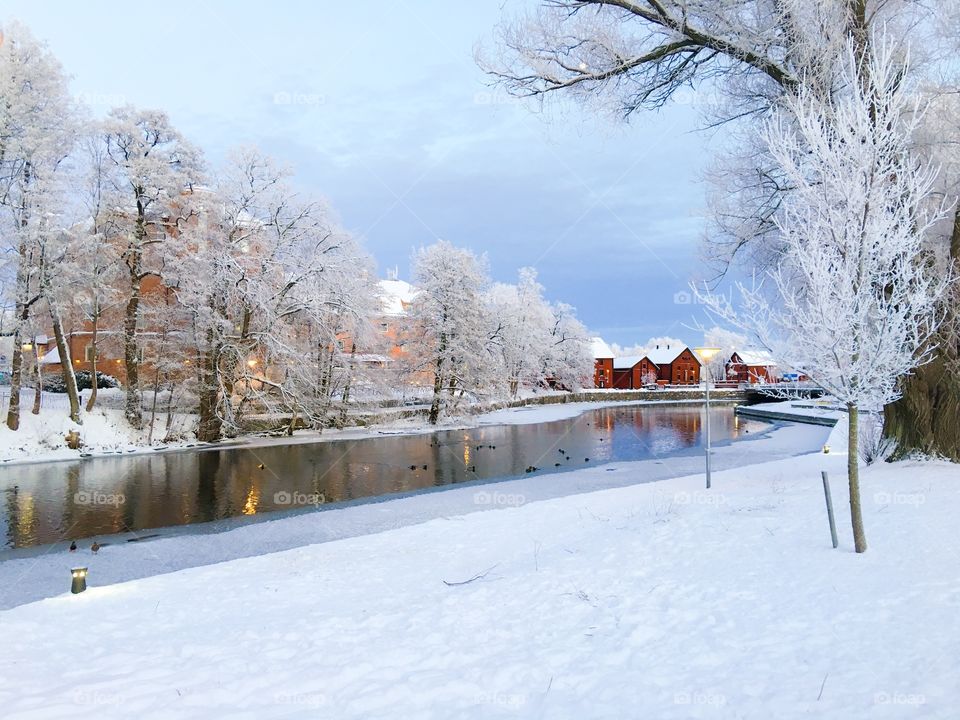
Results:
<point x="55" y="384"/>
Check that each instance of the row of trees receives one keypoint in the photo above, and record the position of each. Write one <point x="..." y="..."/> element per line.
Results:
<point x="839" y="189"/>
<point x="224" y="292"/>
<point x="233" y="290"/>
<point x="475" y="338"/>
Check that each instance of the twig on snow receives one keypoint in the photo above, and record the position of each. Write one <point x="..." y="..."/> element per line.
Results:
<point x="478" y="576"/>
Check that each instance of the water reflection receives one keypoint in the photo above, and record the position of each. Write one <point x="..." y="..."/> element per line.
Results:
<point x="51" y="502"/>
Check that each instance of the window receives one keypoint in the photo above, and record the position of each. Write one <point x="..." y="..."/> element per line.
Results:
<point x="88" y="353"/>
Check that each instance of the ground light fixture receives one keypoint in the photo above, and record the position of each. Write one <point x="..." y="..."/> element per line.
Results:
<point x="706" y="354"/>
<point x="79" y="580"/>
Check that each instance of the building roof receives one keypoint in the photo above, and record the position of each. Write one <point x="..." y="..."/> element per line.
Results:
<point x="665" y="354"/>
<point x="600" y="349"/>
<point x="625" y="363"/>
<point x="754" y="356"/>
<point x="52" y="357"/>
<point x="396" y="296"/>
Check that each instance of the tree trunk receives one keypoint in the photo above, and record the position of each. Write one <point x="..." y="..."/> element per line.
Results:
<point x="16" y="380"/>
<point x="69" y="378"/>
<point x="926" y="419"/>
<point x="131" y="318"/>
<point x="38" y="372"/>
<point x="210" y="426"/>
<point x="438" y="382"/>
<point x="22" y="312"/>
<point x="93" y="361"/>
<point x="853" y="477"/>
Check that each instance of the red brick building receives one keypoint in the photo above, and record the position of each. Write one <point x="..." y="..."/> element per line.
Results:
<point x="663" y="364"/>
<point x="602" y="364"/>
<point x="752" y="367"/>
<point x="675" y="365"/>
<point x="634" y="372"/>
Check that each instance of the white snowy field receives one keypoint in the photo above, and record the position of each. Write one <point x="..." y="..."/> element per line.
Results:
<point x="661" y="600"/>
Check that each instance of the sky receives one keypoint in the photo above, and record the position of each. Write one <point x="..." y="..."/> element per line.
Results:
<point x="382" y="109"/>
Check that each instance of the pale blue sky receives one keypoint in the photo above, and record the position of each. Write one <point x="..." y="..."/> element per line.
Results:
<point x="381" y="108"/>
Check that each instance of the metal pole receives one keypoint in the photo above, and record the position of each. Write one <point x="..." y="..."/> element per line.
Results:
<point x="829" y="499"/>
<point x="707" y="367"/>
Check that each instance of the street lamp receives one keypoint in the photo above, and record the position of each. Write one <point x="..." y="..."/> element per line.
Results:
<point x="707" y="354"/>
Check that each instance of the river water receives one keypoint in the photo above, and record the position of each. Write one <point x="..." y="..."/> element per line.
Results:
<point x="51" y="502"/>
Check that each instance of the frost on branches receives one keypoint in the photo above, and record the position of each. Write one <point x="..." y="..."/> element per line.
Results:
<point x="856" y="296"/>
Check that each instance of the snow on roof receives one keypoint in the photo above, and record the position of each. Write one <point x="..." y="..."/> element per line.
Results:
<point x="371" y="358"/>
<point x="51" y="358"/>
<point x="754" y="356"/>
<point x="664" y="354"/>
<point x="600" y="349"/>
<point x="625" y="363"/>
<point x="395" y="296"/>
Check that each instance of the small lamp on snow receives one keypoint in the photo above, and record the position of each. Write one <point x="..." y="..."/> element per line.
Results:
<point x="79" y="582"/>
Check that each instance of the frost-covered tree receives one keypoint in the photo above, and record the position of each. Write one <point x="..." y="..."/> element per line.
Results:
<point x="277" y="296"/>
<point x="92" y="261"/>
<point x="568" y="360"/>
<point x="450" y="336"/>
<point x="152" y="167"/>
<point x="729" y="341"/>
<point x="857" y="296"/>
<point x="741" y="57"/>
<point x="523" y="322"/>
<point x="37" y="127"/>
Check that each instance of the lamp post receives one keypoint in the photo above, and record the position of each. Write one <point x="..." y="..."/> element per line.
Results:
<point x="707" y="354"/>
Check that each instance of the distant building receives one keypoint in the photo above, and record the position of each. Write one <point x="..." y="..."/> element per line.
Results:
<point x="752" y="367"/>
<point x="634" y="372"/>
<point x="663" y="365"/>
<point x="676" y="365"/>
<point x="602" y="363"/>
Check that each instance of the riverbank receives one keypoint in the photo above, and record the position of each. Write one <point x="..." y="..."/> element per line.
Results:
<point x="654" y="600"/>
<point x="104" y="432"/>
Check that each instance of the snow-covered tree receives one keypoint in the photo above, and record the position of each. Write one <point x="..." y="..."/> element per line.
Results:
<point x="277" y="296"/>
<point x="153" y="166"/>
<point x="92" y="263"/>
<point x="37" y="128"/>
<point x="729" y="341"/>
<point x="523" y="321"/>
<point x="741" y="57"/>
<point x="568" y="360"/>
<point x="450" y="336"/>
<point x="857" y="297"/>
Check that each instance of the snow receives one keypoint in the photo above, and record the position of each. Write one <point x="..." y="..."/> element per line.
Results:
<point x="600" y="348"/>
<point x="664" y="355"/>
<point x="757" y="357"/>
<point x="659" y="600"/>
<point x="52" y="357"/>
<point x="396" y="296"/>
<point x="42" y="438"/>
<point x="625" y="363"/>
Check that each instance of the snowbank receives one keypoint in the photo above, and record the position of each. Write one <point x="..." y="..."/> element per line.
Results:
<point x="660" y="600"/>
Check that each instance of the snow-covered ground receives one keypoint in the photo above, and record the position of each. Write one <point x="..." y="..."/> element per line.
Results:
<point x="659" y="600"/>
